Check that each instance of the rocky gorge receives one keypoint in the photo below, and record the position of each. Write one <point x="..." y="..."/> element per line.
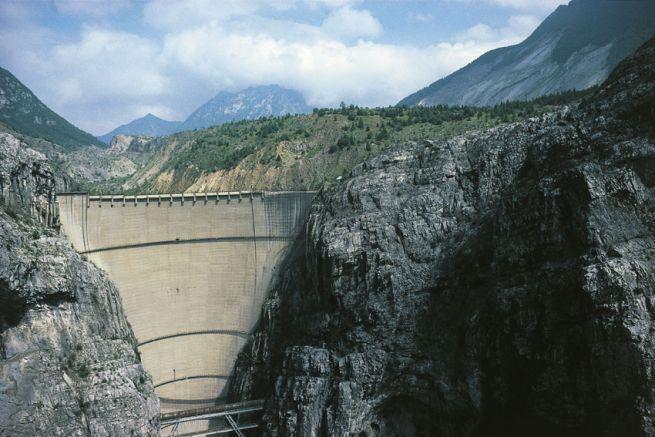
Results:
<point x="499" y="283"/>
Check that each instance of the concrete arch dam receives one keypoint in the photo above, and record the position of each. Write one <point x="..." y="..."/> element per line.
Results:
<point x="192" y="271"/>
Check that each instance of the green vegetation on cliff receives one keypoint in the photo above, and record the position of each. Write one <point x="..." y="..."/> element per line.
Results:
<point x="306" y="151"/>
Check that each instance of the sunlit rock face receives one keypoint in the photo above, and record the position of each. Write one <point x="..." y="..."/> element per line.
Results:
<point x="501" y="283"/>
<point x="68" y="360"/>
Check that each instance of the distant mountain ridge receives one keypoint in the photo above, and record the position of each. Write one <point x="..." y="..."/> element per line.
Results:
<point x="23" y="112"/>
<point x="574" y="48"/>
<point x="149" y="125"/>
<point x="248" y="104"/>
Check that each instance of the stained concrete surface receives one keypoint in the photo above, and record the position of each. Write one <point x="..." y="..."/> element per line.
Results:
<point x="192" y="275"/>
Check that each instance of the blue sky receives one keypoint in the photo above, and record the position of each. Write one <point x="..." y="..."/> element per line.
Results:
<point x="103" y="63"/>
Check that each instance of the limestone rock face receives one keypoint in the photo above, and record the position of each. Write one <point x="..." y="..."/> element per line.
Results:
<point x="27" y="184"/>
<point x="68" y="360"/>
<point x="501" y="283"/>
<point x="121" y="144"/>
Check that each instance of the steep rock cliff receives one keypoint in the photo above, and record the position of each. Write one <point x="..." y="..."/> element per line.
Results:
<point x="501" y="283"/>
<point x="68" y="359"/>
<point x="27" y="184"/>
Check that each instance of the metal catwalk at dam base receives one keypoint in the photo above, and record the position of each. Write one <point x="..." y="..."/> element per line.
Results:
<point x="192" y="271"/>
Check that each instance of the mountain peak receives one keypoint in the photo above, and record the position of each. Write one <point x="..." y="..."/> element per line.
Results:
<point x="253" y="102"/>
<point x="148" y="125"/>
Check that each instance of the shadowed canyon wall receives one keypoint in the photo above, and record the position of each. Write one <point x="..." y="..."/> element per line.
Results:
<point x="501" y="283"/>
<point x="192" y="272"/>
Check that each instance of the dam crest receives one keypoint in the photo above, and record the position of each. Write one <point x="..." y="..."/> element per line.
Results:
<point x="192" y="271"/>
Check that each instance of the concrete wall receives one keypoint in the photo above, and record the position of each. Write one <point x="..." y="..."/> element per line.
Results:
<point x="192" y="275"/>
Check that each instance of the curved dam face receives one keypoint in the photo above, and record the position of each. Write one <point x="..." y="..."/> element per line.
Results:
<point x="192" y="272"/>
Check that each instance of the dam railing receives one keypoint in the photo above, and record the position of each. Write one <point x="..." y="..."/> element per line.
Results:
<point x="147" y="199"/>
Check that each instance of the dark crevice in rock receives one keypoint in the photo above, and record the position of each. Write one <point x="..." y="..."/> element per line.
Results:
<point x="12" y="306"/>
<point x="56" y="299"/>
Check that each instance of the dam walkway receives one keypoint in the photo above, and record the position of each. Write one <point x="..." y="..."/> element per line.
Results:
<point x="222" y="419"/>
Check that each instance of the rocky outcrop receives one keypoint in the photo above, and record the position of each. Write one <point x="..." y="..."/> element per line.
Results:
<point x="27" y="185"/>
<point x="121" y="144"/>
<point x="500" y="283"/>
<point x="76" y="170"/>
<point x="68" y="359"/>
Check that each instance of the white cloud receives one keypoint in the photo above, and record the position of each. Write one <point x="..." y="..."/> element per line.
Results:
<point x="517" y="29"/>
<point x="108" y="65"/>
<point x="348" y="22"/>
<point x="326" y="70"/>
<point x="332" y="4"/>
<point x="530" y="4"/>
<point x="103" y="78"/>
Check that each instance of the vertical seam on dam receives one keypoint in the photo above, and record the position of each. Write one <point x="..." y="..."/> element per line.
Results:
<point x="85" y="226"/>
<point x="254" y="240"/>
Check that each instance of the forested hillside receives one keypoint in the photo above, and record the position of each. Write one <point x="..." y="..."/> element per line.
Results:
<point x="305" y="151"/>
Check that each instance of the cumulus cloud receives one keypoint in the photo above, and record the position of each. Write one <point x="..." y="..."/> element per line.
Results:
<point x="326" y="70"/>
<point x="517" y="29"/>
<point x="105" y="76"/>
<point x="119" y="64"/>
<point x="350" y="22"/>
<point x="333" y="3"/>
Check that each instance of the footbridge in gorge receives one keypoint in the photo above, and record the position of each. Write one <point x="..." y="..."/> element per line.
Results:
<point x="192" y="271"/>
